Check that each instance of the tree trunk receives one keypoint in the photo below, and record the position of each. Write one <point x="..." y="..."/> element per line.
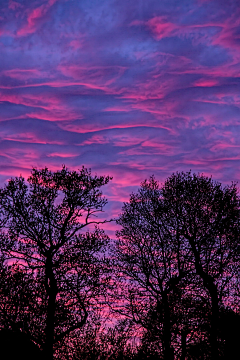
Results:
<point x="183" y="344"/>
<point x="168" y="352"/>
<point x="214" y="320"/>
<point x="51" y="288"/>
<point x="50" y="328"/>
<point x="208" y="283"/>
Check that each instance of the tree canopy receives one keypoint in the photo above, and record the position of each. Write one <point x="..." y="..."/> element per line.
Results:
<point x="60" y="265"/>
<point x="179" y="243"/>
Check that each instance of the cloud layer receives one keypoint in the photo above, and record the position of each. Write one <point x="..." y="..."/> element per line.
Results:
<point x="128" y="88"/>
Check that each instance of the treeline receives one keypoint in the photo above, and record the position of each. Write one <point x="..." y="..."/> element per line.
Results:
<point x="166" y="288"/>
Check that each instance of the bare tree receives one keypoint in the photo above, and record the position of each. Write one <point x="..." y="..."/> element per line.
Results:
<point x="43" y="235"/>
<point x="206" y="215"/>
<point x="178" y="253"/>
<point x="151" y="259"/>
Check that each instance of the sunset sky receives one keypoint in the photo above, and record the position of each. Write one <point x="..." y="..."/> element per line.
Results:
<point x="128" y="88"/>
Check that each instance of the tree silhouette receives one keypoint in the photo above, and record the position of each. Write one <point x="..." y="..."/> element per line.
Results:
<point x="229" y="333"/>
<point x="206" y="216"/>
<point x="16" y="345"/>
<point x="177" y="251"/>
<point x="43" y="236"/>
<point x="151" y="258"/>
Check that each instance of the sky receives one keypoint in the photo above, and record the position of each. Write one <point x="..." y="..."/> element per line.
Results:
<point x="127" y="88"/>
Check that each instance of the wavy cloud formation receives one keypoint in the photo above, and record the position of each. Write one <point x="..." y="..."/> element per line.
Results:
<point x="127" y="88"/>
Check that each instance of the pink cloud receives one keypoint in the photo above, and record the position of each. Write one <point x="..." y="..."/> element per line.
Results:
<point x="53" y="109"/>
<point x="160" y="146"/>
<point x="14" y="99"/>
<point x="13" y="5"/>
<point x="119" y="108"/>
<point x="206" y="83"/>
<point x="194" y="162"/>
<point x="121" y="139"/>
<point x="124" y="139"/>
<point x="16" y="170"/>
<point x="20" y="158"/>
<point x="76" y="44"/>
<point x="199" y="33"/>
<point x="153" y="108"/>
<point x="62" y="154"/>
<point x="223" y="146"/>
<point x="134" y="165"/>
<point x="34" y="17"/>
<point x="27" y="137"/>
<point x="151" y="147"/>
<point x="221" y="96"/>
<point x="55" y="115"/>
<point x="22" y="74"/>
<point x="94" y="77"/>
<point x="42" y="106"/>
<point x="93" y="127"/>
<point x="96" y="139"/>
<point x="117" y="193"/>
<point x="154" y="87"/>
<point x="226" y="37"/>
<point x="125" y="177"/>
<point x="54" y="84"/>
<point x="160" y="27"/>
<point x="58" y="83"/>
